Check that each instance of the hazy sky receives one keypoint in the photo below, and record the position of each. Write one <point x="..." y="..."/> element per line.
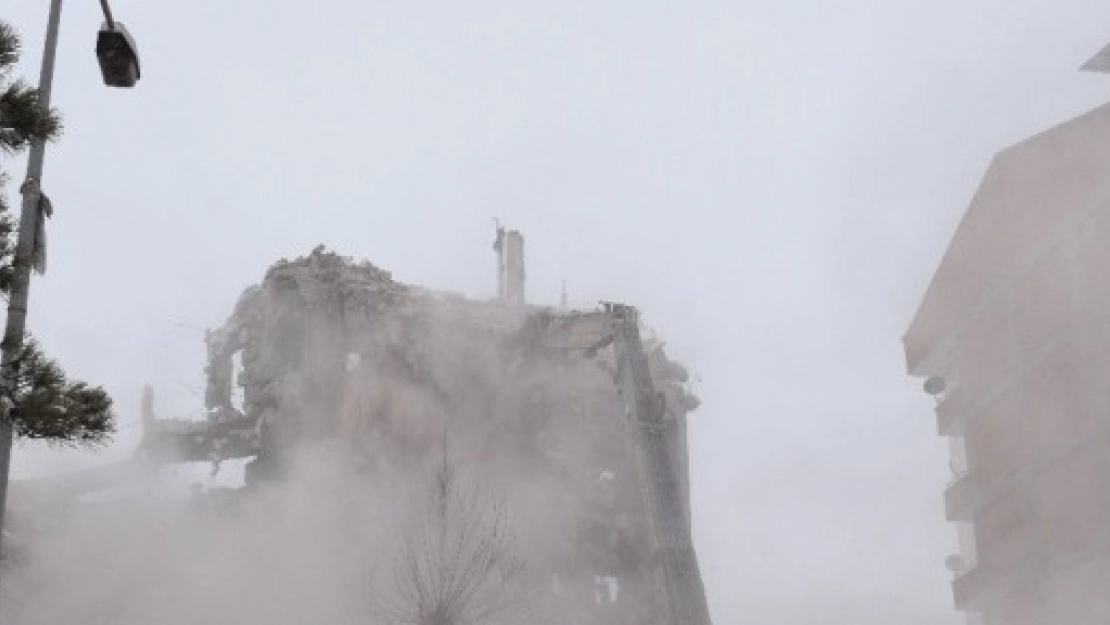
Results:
<point x="772" y="182"/>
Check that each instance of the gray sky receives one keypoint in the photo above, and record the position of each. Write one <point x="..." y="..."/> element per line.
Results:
<point x="772" y="182"/>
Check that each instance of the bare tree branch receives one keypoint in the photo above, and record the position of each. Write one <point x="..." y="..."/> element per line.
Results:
<point x="459" y="567"/>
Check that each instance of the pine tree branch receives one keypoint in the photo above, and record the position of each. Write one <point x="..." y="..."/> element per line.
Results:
<point x="23" y="118"/>
<point x="47" y="406"/>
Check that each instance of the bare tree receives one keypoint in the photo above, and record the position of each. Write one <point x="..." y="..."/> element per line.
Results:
<point x="460" y="565"/>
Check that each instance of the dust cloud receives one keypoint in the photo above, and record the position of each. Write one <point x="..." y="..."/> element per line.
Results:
<point x="336" y="398"/>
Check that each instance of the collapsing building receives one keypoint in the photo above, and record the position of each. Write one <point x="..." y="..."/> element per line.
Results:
<point x="1013" y="336"/>
<point x="574" y="405"/>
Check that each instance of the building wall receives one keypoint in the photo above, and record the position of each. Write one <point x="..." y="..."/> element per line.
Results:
<point x="1017" y="321"/>
<point x="1037" y="445"/>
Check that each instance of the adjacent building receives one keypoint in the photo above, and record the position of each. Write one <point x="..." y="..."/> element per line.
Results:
<point x="1015" y="332"/>
<point x="1013" y="336"/>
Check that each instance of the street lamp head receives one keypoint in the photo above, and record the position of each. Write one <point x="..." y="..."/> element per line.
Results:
<point x="118" y="56"/>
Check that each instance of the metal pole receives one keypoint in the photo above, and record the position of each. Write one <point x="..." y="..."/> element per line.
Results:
<point x="21" y="280"/>
<point x="676" y="563"/>
<point x="108" y="14"/>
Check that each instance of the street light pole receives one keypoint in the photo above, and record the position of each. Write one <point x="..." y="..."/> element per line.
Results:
<point x="29" y="218"/>
<point x="119" y="63"/>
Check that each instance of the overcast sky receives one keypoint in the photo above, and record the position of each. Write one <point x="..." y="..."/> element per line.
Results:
<point x="772" y="182"/>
